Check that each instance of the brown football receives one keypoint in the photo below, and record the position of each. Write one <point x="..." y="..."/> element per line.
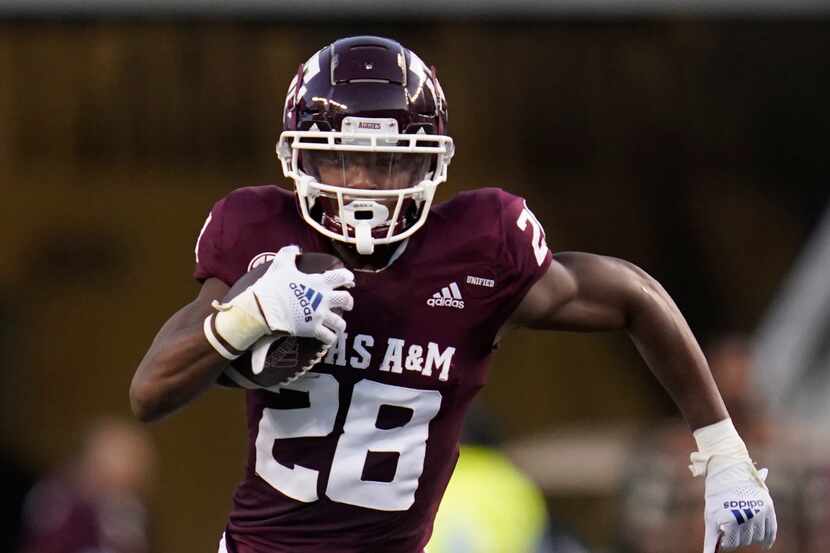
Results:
<point x="284" y="357"/>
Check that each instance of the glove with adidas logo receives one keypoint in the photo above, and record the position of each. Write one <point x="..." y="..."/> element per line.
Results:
<point x="283" y="299"/>
<point x="739" y="510"/>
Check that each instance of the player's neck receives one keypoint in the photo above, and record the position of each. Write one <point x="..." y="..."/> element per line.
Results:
<point x="380" y="259"/>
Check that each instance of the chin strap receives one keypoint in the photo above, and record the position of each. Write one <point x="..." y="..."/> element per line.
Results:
<point x="363" y="235"/>
<point x="363" y="216"/>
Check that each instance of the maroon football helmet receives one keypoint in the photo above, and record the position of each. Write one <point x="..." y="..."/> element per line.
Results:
<point x="365" y="141"/>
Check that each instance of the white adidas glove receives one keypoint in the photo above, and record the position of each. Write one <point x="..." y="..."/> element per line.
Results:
<point x="284" y="299"/>
<point x="739" y="510"/>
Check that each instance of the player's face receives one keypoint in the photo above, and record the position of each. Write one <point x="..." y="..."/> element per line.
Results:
<point x="367" y="170"/>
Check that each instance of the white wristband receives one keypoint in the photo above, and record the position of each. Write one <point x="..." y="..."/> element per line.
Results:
<point x="236" y="325"/>
<point x="216" y="341"/>
<point x="718" y="439"/>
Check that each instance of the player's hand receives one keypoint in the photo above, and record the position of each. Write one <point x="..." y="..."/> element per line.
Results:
<point x="739" y="510"/>
<point x="283" y="299"/>
<point x="303" y="304"/>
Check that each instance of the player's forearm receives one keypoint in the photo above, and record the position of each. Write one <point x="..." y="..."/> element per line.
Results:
<point x="671" y="351"/>
<point x="588" y="293"/>
<point x="174" y="374"/>
<point x="179" y="365"/>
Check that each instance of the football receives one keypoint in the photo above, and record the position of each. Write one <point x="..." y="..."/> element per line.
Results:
<point x="282" y="358"/>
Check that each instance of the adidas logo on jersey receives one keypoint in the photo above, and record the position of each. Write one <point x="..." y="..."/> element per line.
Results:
<point x="449" y="296"/>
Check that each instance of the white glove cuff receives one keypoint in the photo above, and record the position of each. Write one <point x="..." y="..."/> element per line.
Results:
<point x="235" y="326"/>
<point x="219" y="344"/>
<point x="718" y="439"/>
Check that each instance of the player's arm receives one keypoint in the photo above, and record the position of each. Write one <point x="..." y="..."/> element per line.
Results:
<point x="584" y="292"/>
<point x="180" y="363"/>
<point x="195" y="345"/>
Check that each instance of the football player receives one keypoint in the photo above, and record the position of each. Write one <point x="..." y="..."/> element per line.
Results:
<point x="355" y="455"/>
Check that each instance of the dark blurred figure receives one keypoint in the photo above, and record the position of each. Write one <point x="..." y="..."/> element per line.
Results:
<point x="16" y="475"/>
<point x="17" y="480"/>
<point x="96" y="504"/>
<point x="661" y="501"/>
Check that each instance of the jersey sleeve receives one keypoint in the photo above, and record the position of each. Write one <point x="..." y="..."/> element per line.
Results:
<point x="523" y="255"/>
<point x="209" y="246"/>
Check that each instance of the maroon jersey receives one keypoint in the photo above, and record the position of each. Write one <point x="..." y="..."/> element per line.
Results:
<point x="355" y="456"/>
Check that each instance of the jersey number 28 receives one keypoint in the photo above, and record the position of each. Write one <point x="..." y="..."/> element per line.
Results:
<point x="361" y="435"/>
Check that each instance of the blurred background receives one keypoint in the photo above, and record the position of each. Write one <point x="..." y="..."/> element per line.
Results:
<point x="690" y="140"/>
